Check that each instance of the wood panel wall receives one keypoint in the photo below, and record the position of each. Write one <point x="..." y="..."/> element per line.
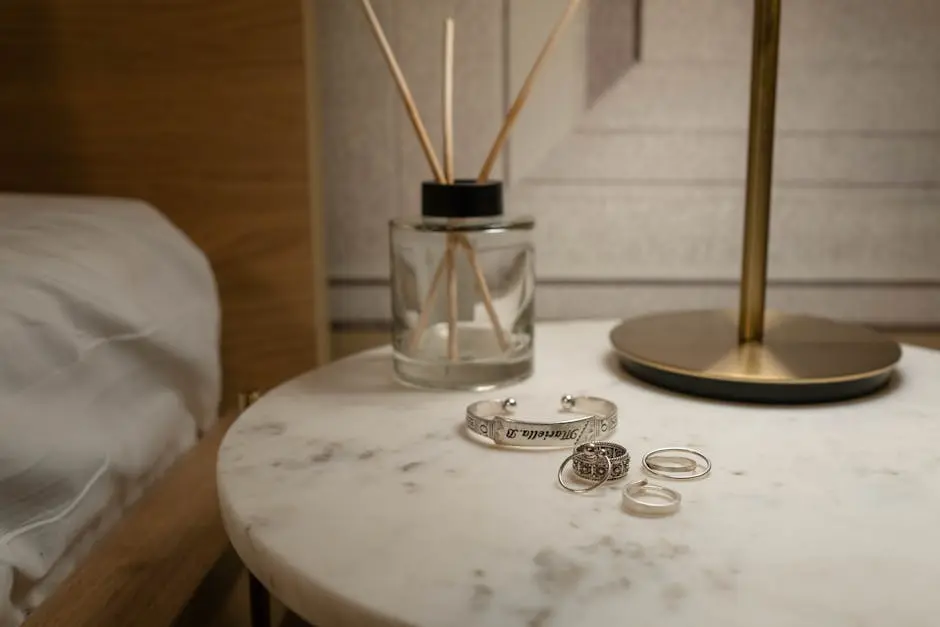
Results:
<point x="201" y="108"/>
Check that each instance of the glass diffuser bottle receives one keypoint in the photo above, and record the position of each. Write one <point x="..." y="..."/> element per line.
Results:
<point x="463" y="290"/>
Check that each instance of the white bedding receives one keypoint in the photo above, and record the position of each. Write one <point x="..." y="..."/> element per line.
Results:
<point x="109" y="369"/>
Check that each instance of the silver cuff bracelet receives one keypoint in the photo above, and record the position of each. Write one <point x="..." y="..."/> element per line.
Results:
<point x="493" y="420"/>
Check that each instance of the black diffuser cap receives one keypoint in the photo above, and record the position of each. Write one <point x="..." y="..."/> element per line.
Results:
<point x="463" y="199"/>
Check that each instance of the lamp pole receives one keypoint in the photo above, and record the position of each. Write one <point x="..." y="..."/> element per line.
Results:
<point x="760" y="156"/>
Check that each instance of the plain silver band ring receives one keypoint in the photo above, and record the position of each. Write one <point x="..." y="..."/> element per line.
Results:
<point x="670" y="475"/>
<point x="599" y="483"/>
<point x="672" y="464"/>
<point x="636" y="489"/>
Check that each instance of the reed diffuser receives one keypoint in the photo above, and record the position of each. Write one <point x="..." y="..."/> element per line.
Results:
<point x="463" y="273"/>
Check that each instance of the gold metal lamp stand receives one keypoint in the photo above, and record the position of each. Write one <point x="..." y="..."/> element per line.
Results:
<point x="757" y="355"/>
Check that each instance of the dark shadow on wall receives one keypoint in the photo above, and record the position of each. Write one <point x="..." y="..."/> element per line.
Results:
<point x="36" y="140"/>
<point x="613" y="43"/>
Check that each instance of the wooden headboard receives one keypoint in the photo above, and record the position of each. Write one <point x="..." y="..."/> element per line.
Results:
<point x="201" y="108"/>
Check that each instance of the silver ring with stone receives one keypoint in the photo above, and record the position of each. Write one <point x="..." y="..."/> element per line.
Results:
<point x="698" y="471"/>
<point x="668" y="500"/>
<point x="598" y="481"/>
<point x="589" y="460"/>
<point x="495" y="420"/>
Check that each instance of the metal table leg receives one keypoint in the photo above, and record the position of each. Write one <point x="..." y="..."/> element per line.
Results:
<point x="259" y="603"/>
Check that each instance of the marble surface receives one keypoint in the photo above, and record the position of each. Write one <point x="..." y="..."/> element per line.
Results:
<point x="358" y="502"/>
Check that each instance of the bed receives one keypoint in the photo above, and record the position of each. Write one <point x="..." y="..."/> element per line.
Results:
<point x="172" y="145"/>
<point x="109" y="371"/>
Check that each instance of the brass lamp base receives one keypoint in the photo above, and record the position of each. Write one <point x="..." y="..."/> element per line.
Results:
<point x="800" y="359"/>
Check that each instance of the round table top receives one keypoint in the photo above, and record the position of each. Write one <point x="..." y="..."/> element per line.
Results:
<point x="358" y="501"/>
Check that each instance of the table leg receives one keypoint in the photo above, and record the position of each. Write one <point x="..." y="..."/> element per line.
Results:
<point x="259" y="603"/>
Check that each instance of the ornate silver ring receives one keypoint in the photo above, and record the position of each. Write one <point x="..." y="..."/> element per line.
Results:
<point x="591" y="460"/>
<point x="598" y="481"/>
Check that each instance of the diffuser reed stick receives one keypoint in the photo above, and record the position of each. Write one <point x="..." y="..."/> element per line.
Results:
<point x="485" y="294"/>
<point x="425" y="315"/>
<point x="449" y="100"/>
<point x="524" y="92"/>
<point x="405" y="93"/>
<point x="453" y="350"/>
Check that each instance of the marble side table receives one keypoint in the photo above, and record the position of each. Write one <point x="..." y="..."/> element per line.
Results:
<point x="359" y="502"/>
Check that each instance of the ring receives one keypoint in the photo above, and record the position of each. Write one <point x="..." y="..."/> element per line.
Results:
<point x="493" y="419"/>
<point x="633" y="504"/>
<point x="597" y="484"/>
<point x="656" y="468"/>
<point x="587" y="462"/>
<point x="673" y="464"/>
